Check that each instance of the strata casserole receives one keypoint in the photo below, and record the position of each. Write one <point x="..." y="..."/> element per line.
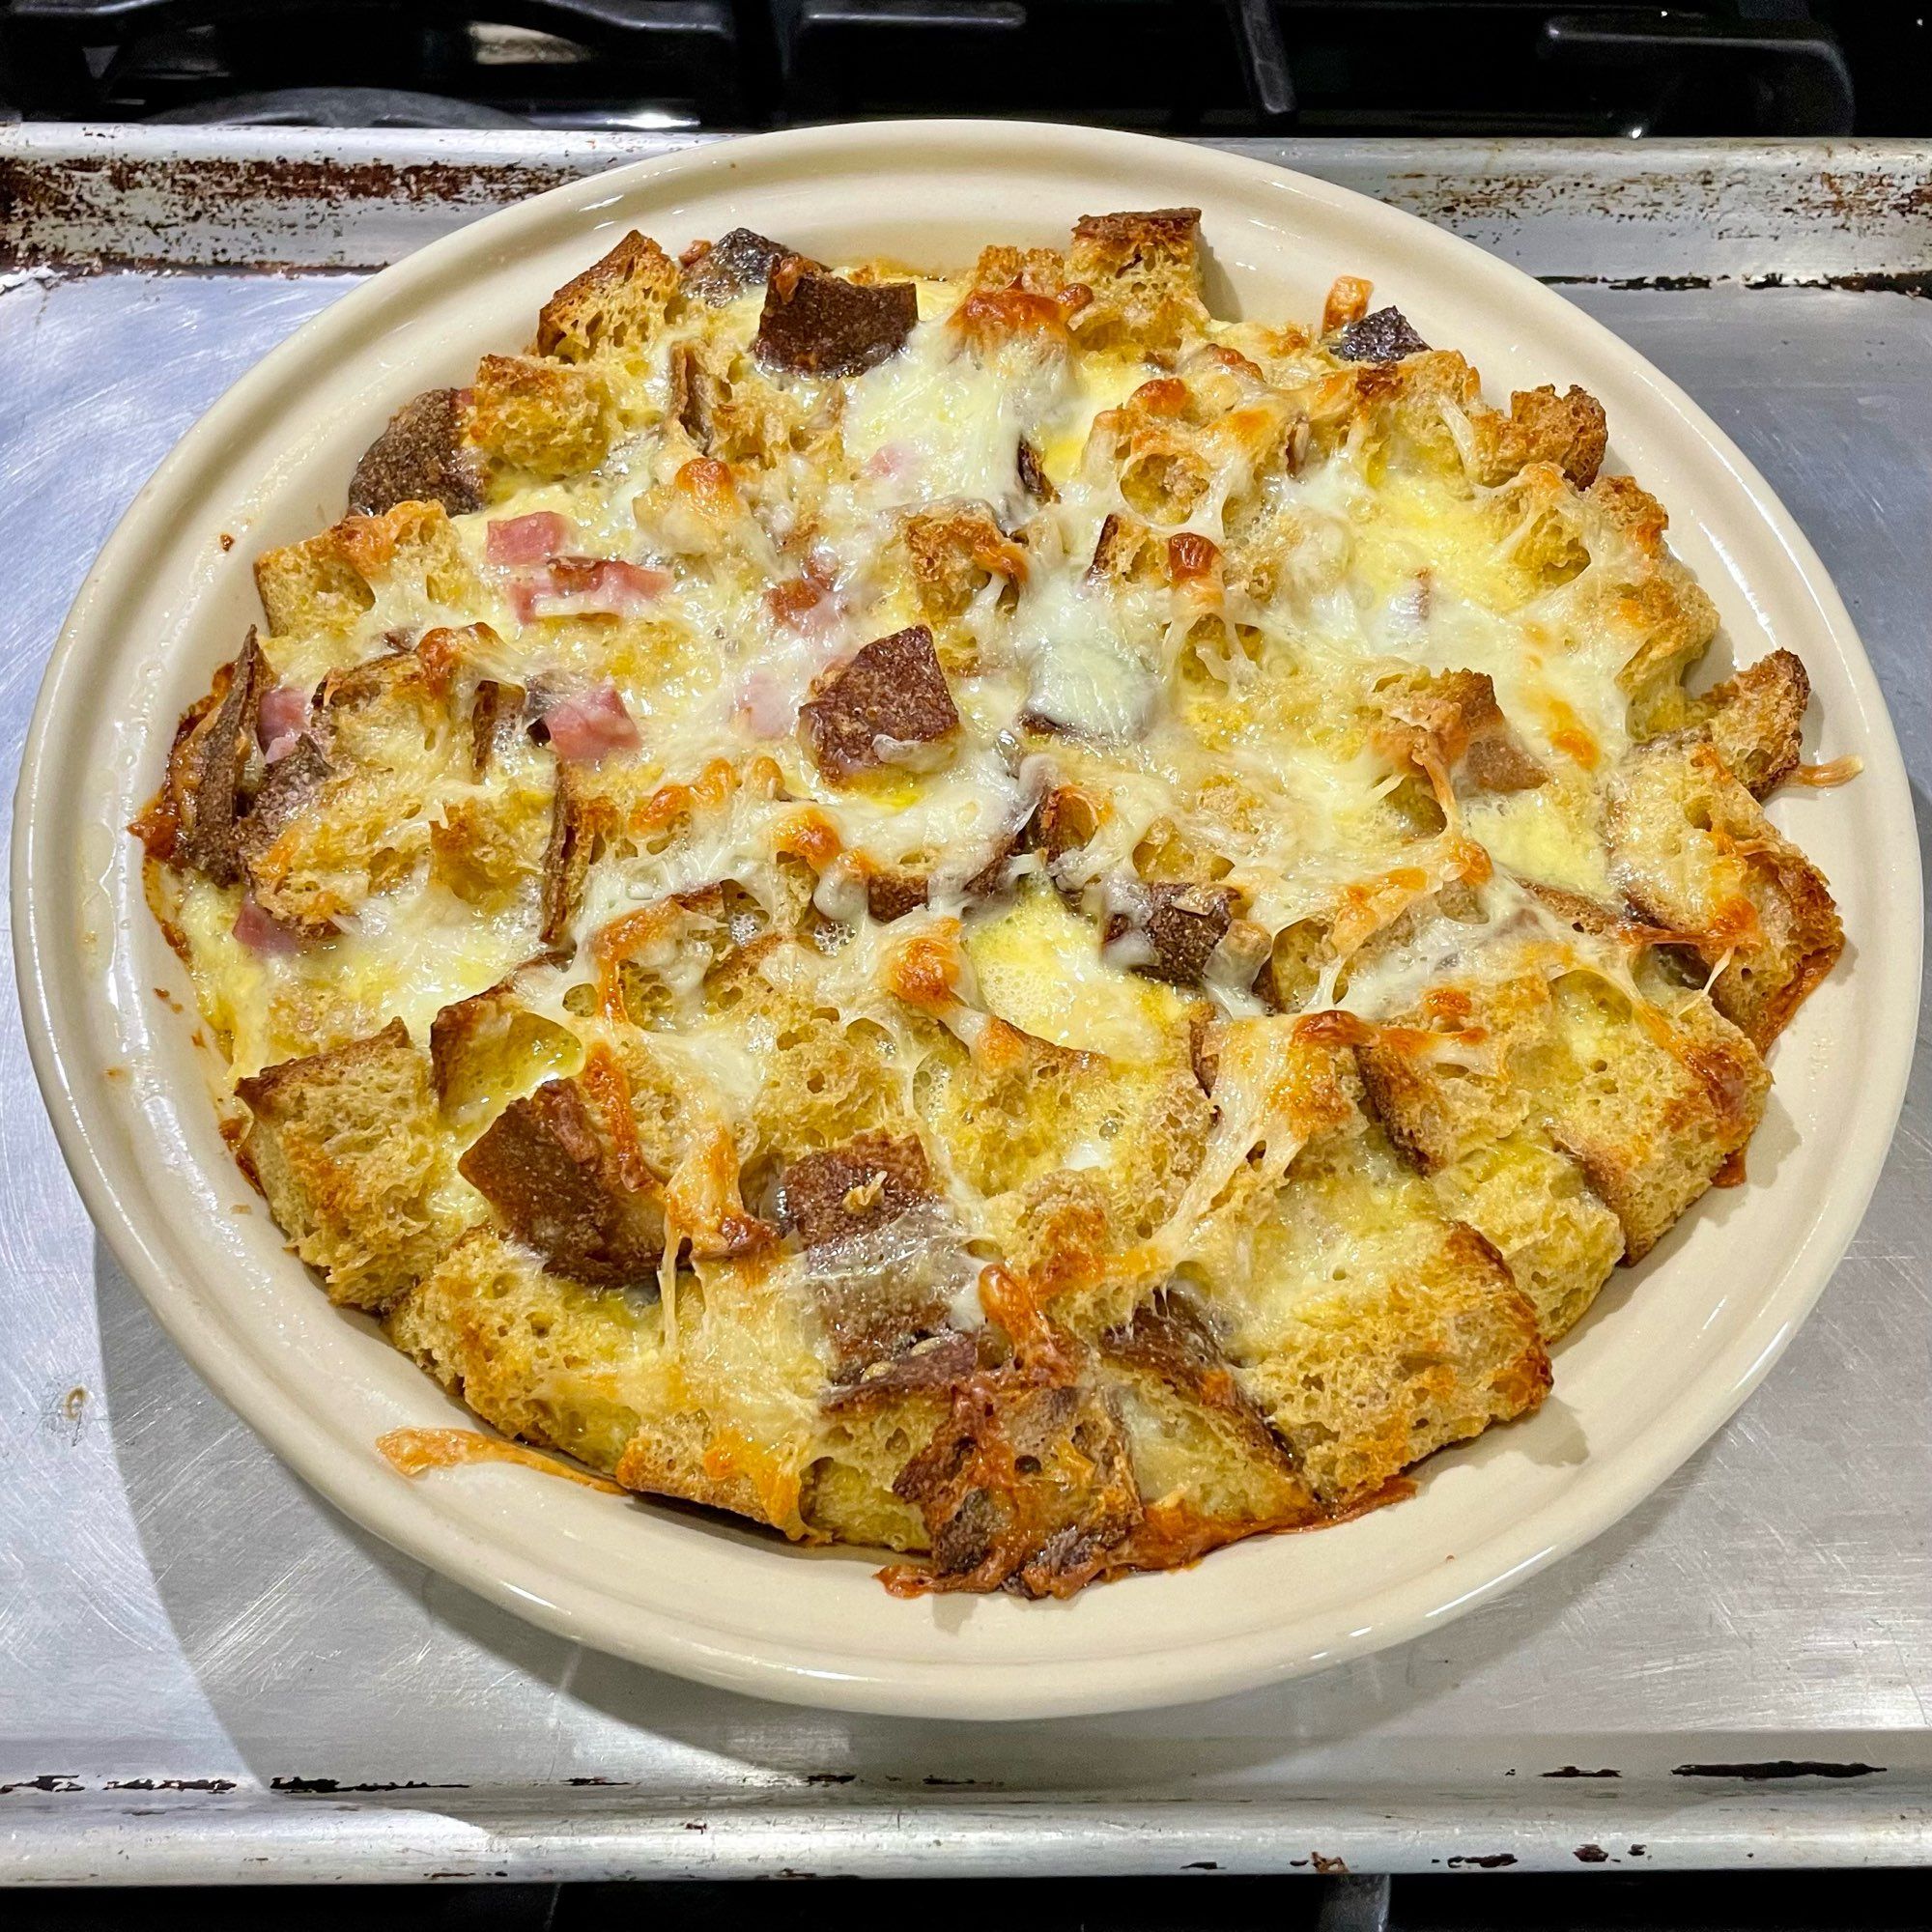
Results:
<point x="982" y="914"/>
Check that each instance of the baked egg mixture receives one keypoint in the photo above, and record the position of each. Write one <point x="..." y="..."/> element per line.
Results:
<point x="982" y="914"/>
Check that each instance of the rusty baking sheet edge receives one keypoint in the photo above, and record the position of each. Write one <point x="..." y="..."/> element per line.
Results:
<point x="1847" y="215"/>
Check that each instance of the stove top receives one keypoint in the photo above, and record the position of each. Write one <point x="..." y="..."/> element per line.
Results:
<point x="1216" y="67"/>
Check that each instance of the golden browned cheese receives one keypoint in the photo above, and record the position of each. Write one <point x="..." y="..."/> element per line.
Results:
<point x="982" y="914"/>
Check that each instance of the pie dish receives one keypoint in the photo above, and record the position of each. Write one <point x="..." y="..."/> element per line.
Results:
<point x="1219" y="919"/>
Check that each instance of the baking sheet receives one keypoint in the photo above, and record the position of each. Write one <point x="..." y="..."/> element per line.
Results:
<point x="205" y="1672"/>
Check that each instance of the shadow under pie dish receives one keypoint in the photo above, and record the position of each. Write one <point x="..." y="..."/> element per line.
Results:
<point x="981" y="914"/>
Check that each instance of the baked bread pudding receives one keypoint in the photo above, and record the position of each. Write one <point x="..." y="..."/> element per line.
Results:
<point x="983" y="915"/>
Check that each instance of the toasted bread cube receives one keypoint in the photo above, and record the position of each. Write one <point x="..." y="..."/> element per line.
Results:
<point x="546" y="1359"/>
<point x="614" y="310"/>
<point x="1569" y="431"/>
<point x="545" y="418"/>
<point x="1643" y="596"/>
<point x="823" y="1078"/>
<point x="738" y="1424"/>
<point x="1536" y="1209"/>
<point x="329" y="584"/>
<point x="1013" y="1115"/>
<point x="1039" y="271"/>
<point x="1411" y="404"/>
<point x="1693" y="850"/>
<point x="344" y="1145"/>
<point x="1437" y="1108"/>
<point x="311" y="587"/>
<point x="1207" y="1465"/>
<point x="487" y="1050"/>
<point x="847" y="1501"/>
<point x="1145" y="272"/>
<point x="722" y="1417"/>
<point x="955" y="554"/>
<point x="1373" y="1330"/>
<point x="1651" y="1110"/>
<point x="1024" y="1486"/>
<point x="1756" y="720"/>
<point x="356" y="822"/>
<point x="1449" y="723"/>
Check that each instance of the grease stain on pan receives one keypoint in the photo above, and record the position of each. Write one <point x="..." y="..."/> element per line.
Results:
<point x="42" y="200"/>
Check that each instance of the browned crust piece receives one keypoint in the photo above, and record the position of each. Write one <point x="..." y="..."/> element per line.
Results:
<point x="615" y="307"/>
<point x="1024" y="1486"/>
<point x="733" y="264"/>
<point x="814" y="324"/>
<point x="1184" y="924"/>
<point x="1382" y="336"/>
<point x="1216" y="1471"/>
<point x="420" y="458"/>
<point x="872" y="1281"/>
<point x="1756" y="720"/>
<point x="1033" y="479"/>
<point x="495" y="712"/>
<point x="1569" y="431"/>
<point x="1065" y="821"/>
<point x="292" y="783"/>
<point x="548" y="1172"/>
<point x="566" y="860"/>
<point x="1170" y="1339"/>
<point x="1134" y="237"/>
<point x="202" y="797"/>
<point x="892" y="689"/>
<point x="955" y="554"/>
<point x="1451" y="718"/>
<point x="933" y="1364"/>
<point x="864" y="1183"/>
<point x="892" y="894"/>
<point x="1692" y="851"/>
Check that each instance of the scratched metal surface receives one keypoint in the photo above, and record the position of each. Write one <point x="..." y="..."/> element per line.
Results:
<point x="206" y="1672"/>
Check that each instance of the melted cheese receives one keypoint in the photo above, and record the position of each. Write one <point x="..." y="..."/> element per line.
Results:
<point x="1219" y="728"/>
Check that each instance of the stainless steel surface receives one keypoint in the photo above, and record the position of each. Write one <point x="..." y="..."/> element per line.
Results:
<point x="205" y="1672"/>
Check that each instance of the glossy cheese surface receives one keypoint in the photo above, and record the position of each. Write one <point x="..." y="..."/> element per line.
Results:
<point x="1232" y="821"/>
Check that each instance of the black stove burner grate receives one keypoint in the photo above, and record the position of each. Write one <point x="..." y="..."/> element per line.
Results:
<point x="1357" y="67"/>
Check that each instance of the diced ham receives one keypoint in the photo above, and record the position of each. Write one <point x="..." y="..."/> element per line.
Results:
<point x="590" y="725"/>
<point x="532" y="539"/>
<point x="279" y="719"/>
<point x="892" y="461"/>
<point x="262" y="932"/>
<point x="586" y="586"/>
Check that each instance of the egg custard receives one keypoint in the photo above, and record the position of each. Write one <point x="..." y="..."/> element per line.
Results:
<point x="983" y="915"/>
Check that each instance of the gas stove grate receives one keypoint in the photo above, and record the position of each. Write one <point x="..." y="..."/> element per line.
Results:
<point x="1357" y="67"/>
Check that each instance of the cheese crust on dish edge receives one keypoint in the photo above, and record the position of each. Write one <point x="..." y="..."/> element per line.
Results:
<point x="982" y="915"/>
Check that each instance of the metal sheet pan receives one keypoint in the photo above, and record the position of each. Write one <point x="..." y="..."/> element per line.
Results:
<point x="206" y="1673"/>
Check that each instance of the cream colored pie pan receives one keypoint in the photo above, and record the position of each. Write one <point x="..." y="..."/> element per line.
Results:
<point x="1671" y="1349"/>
